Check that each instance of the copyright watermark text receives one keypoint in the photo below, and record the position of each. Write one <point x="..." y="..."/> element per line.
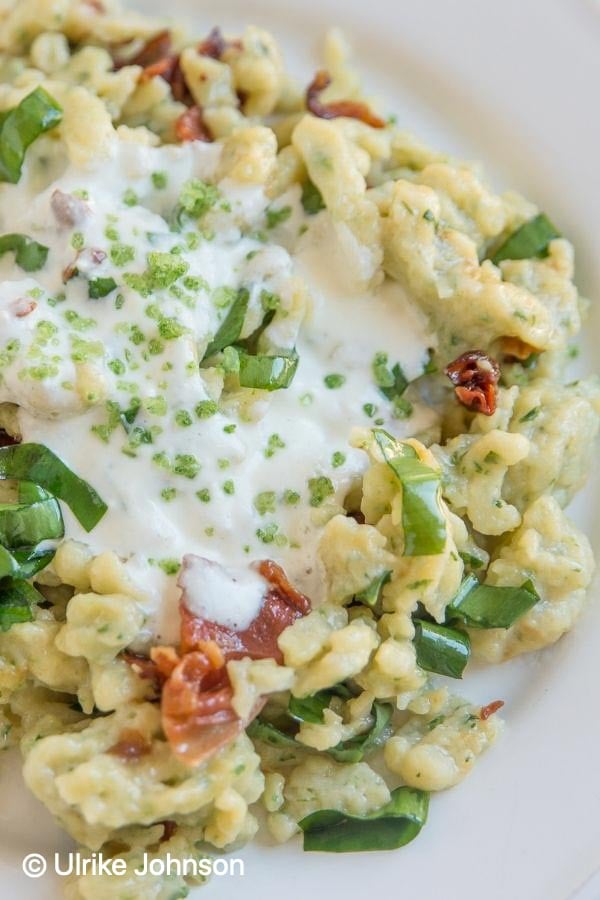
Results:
<point x="35" y="865"/>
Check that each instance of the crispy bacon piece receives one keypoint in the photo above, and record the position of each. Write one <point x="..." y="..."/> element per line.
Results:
<point x="352" y="109"/>
<point x="7" y="440"/>
<point x="131" y="746"/>
<point x="486" y="711"/>
<point x="170" y="827"/>
<point x="282" y="605"/>
<point x="197" y="716"/>
<point x="190" y="126"/>
<point x="169" y="69"/>
<point x="145" y="668"/>
<point x="475" y="377"/>
<point x="196" y="712"/>
<point x="214" y="45"/>
<point x="155" y="49"/>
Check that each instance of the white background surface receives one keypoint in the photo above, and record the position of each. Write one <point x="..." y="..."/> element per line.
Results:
<point x="516" y="85"/>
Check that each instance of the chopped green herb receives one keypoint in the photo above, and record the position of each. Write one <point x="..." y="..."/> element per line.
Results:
<point x="273" y="444"/>
<point x="206" y="408"/>
<point x="334" y="381"/>
<point x="101" y="287"/>
<point x="197" y="198"/>
<point x="531" y="415"/>
<point x="170" y="328"/>
<point x="265" y="502"/>
<point x="160" y="180"/>
<point x="122" y="254"/>
<point x="320" y="488"/>
<point x="338" y="459"/>
<point x="275" y="217"/>
<point x="312" y="200"/>
<point x="130" y="198"/>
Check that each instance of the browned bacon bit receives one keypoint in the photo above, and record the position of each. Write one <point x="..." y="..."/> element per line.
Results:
<point x="515" y="348"/>
<point x="358" y="516"/>
<point x="352" y="109"/>
<point x="153" y="50"/>
<point x="145" y="668"/>
<point x="196" y="700"/>
<point x="282" y="605"/>
<point x="68" y="210"/>
<point x="475" y="377"/>
<point x="190" y="126"/>
<point x="170" y="827"/>
<point x="197" y="716"/>
<point x="166" y="659"/>
<point x="23" y="307"/>
<point x="7" y="440"/>
<point x="486" y="711"/>
<point x="131" y="746"/>
<point x="214" y="45"/>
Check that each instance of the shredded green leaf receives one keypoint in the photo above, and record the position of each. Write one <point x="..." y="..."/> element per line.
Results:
<point x="267" y="373"/>
<point x="441" y="649"/>
<point x="529" y="241"/>
<point x="423" y="521"/>
<point x="29" y="255"/>
<point x="491" y="606"/>
<point x="16" y="599"/>
<point x="38" y="464"/>
<point x="37" y="113"/>
<point x="371" y="594"/>
<point x="394" y="825"/>
<point x="231" y="326"/>
<point x="24" y="525"/>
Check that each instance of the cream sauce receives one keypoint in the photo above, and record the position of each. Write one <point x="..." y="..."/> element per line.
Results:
<point x="228" y="487"/>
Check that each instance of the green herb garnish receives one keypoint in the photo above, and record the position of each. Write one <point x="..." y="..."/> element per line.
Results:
<point x="38" y="464"/>
<point x="529" y="241"/>
<point x="394" y="825"/>
<point x="29" y="255"/>
<point x="441" y="649"/>
<point x="37" y="113"/>
<point x="423" y="521"/>
<point x="491" y="606"/>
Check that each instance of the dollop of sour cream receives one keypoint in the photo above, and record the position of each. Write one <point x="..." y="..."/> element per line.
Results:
<point x="186" y="475"/>
<point x="228" y="595"/>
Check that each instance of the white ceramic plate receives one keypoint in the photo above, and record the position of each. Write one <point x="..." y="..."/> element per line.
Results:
<point x="515" y="85"/>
